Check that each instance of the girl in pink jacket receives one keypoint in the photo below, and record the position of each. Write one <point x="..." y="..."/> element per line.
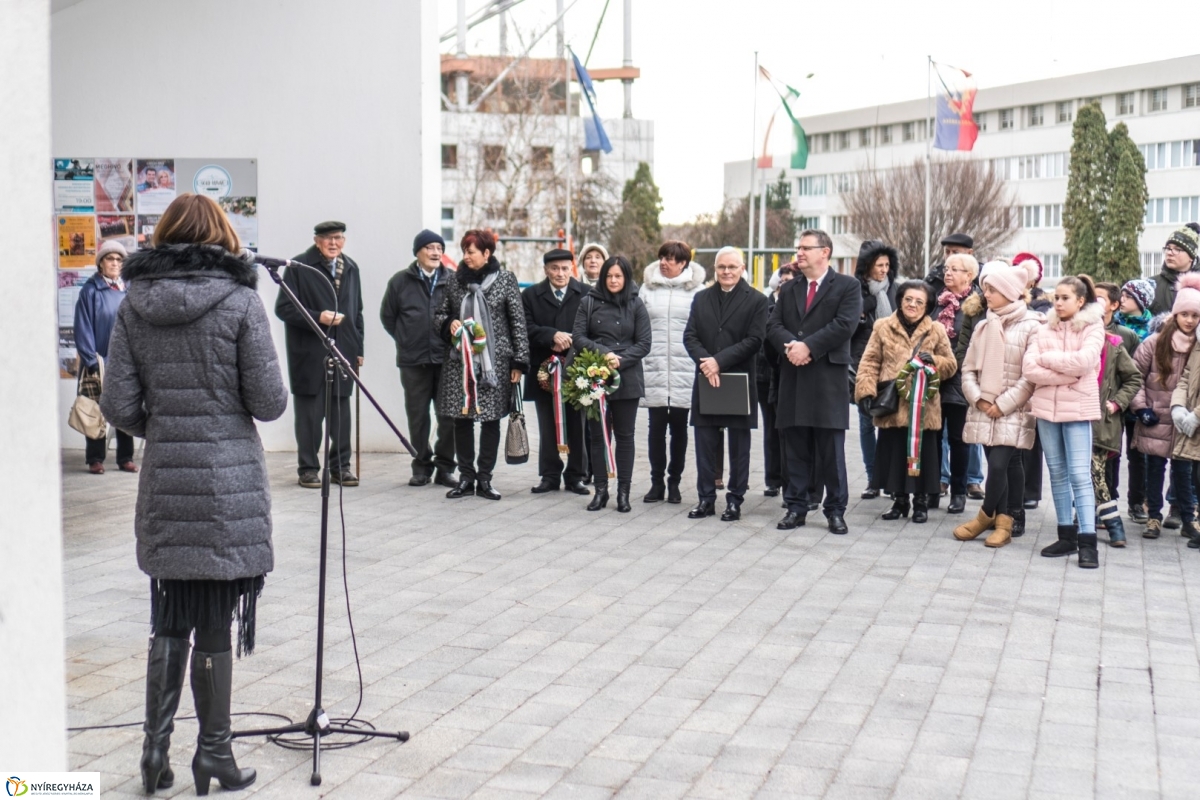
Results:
<point x="1063" y="362"/>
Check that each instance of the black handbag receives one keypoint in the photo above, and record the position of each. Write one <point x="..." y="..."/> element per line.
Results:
<point x="516" y="441"/>
<point x="887" y="399"/>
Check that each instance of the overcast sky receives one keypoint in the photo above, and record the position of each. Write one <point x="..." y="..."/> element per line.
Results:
<point x="697" y="61"/>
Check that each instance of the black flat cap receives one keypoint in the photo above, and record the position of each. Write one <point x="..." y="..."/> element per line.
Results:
<point x="557" y="254"/>
<point x="332" y="226"/>
<point x="959" y="240"/>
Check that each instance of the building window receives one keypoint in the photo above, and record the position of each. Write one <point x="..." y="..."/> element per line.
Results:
<point x="812" y="186"/>
<point x="980" y="121"/>
<point x="1043" y="216"/>
<point x="820" y="143"/>
<point x="493" y="157"/>
<point x="1151" y="263"/>
<point x="1158" y="99"/>
<point x="885" y="134"/>
<point x="909" y="131"/>
<point x="1006" y="119"/>
<point x="590" y="162"/>
<point x="449" y="156"/>
<point x="448" y="223"/>
<point x="542" y="159"/>
<point x="1170" y="155"/>
<point x="809" y="223"/>
<point x="843" y="182"/>
<point x="1064" y="111"/>
<point x="1053" y="265"/>
<point x="1124" y="104"/>
<point x="843" y="140"/>
<point x="864" y="137"/>
<point x="839" y="225"/>
<point x="1172" y="210"/>
<point x="1036" y="116"/>
<point x="1191" y="95"/>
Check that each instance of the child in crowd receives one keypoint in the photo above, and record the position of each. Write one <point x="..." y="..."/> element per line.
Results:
<point x="1134" y="314"/>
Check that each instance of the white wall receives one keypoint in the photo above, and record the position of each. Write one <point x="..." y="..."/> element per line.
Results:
<point x="338" y="102"/>
<point x="34" y="717"/>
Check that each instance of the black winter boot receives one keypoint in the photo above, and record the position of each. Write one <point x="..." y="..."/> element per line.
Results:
<point x="899" y="508"/>
<point x="623" y="497"/>
<point x="673" y="495"/>
<point x="1018" y="518"/>
<point x="1068" y="542"/>
<point x="920" y="507"/>
<point x="1088" y="557"/>
<point x="212" y="684"/>
<point x="658" y="490"/>
<point x="165" y="670"/>
<point x="600" y="498"/>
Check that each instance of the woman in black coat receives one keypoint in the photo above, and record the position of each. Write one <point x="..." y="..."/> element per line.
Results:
<point x="484" y="292"/>
<point x="613" y="321"/>
<point x="191" y="367"/>
<point x="877" y="268"/>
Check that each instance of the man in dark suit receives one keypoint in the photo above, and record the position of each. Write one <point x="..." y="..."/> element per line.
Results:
<point x="723" y="335"/>
<point x="331" y="293"/>
<point x="550" y="308"/>
<point x="814" y="318"/>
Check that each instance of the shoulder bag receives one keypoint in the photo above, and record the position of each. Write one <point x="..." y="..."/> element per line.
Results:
<point x="516" y="440"/>
<point x="85" y="415"/>
<point x="887" y="400"/>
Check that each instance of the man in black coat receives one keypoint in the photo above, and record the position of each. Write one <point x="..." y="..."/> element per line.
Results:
<point x="813" y="320"/>
<point x="723" y="335"/>
<point x="412" y="296"/>
<point x="550" y="308"/>
<point x="331" y="293"/>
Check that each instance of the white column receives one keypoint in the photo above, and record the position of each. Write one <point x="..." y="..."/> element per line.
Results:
<point x="33" y="736"/>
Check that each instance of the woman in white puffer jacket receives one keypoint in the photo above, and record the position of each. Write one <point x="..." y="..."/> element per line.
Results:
<point x="668" y="286"/>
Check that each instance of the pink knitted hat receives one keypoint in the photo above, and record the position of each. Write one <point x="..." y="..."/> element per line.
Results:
<point x="1188" y="296"/>
<point x="1008" y="281"/>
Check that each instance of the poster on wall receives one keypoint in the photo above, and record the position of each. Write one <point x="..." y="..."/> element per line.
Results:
<point x="243" y="215"/>
<point x="114" y="185"/>
<point x="155" y="184"/>
<point x="70" y="283"/>
<point x="67" y="367"/>
<point x="76" y="240"/>
<point x="145" y="230"/>
<point x="119" y="228"/>
<point x="73" y="178"/>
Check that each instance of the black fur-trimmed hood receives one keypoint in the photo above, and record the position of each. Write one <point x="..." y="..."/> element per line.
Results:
<point x="176" y="285"/>
<point x="869" y="252"/>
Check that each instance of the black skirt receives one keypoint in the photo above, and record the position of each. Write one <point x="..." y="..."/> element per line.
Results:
<point x="891" y="463"/>
<point x="180" y="606"/>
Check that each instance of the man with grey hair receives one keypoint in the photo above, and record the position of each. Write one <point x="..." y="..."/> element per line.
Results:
<point x="812" y="324"/>
<point x="723" y="335"/>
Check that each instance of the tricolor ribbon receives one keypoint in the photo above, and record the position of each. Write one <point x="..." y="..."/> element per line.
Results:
<point x="609" y="460"/>
<point x="917" y="399"/>
<point x="470" y="384"/>
<point x="554" y="367"/>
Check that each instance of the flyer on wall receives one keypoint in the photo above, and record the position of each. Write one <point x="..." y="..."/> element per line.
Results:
<point x="145" y="230"/>
<point x="73" y="178"/>
<point x="67" y="355"/>
<point x="155" y="184"/>
<point x="70" y="283"/>
<point x="242" y="213"/>
<point x="118" y="228"/>
<point x="76" y="240"/>
<point x="114" y="185"/>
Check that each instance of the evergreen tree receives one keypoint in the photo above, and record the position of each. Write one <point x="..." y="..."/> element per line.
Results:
<point x="637" y="231"/>
<point x="1124" y="215"/>
<point x="1088" y="188"/>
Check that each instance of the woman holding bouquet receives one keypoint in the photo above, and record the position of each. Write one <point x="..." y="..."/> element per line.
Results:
<point x="612" y="321"/>
<point x="483" y="319"/>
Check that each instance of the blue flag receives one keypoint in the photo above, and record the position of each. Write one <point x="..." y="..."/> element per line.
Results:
<point x="593" y="130"/>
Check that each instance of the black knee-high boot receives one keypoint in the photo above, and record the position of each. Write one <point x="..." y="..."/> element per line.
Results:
<point x="212" y="685"/>
<point x="165" y="671"/>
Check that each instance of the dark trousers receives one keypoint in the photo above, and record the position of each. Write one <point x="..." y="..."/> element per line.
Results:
<point x="772" y="444"/>
<point x="1032" y="462"/>
<point x="622" y="415"/>
<point x="960" y="452"/>
<point x="1181" y="481"/>
<point x="662" y="419"/>
<point x="1137" y="470"/>
<point x="464" y="448"/>
<point x="550" y="463"/>
<point x="420" y="385"/>
<point x="309" y="410"/>
<point x="96" y="449"/>
<point x="1004" y="489"/>
<point x="709" y="461"/>
<point x="810" y="448"/>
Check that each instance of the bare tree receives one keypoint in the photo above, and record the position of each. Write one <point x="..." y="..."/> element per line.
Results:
<point x="967" y="197"/>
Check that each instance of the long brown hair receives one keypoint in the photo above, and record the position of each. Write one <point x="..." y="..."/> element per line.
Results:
<point x="1164" y="353"/>
<point x="195" y="219"/>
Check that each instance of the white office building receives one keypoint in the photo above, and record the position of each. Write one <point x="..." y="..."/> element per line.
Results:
<point x="1025" y="134"/>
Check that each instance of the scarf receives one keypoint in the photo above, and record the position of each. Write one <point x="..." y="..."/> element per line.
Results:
<point x="883" y="308"/>
<point x="1139" y="324"/>
<point x="474" y="307"/>
<point x="991" y="374"/>
<point x="909" y="327"/>
<point x="951" y="303"/>
<point x="1182" y="342"/>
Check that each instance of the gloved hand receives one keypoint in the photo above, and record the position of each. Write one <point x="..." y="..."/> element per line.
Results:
<point x="926" y="359"/>
<point x="1178" y="415"/>
<point x="1147" y="417"/>
<point x="864" y="405"/>
<point x="1190" y="424"/>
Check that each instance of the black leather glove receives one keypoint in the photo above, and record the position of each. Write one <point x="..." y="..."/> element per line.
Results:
<point x="864" y="405"/>
<point x="926" y="359"/>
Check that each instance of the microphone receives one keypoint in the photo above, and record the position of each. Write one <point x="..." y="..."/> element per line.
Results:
<point x="251" y="257"/>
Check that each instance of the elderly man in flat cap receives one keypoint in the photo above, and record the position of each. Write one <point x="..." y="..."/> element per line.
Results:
<point x="550" y="308"/>
<point x="331" y="292"/>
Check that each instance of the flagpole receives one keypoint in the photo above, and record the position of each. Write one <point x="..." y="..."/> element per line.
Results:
<point x="928" y="152"/>
<point x="750" y="200"/>
<point x="570" y="150"/>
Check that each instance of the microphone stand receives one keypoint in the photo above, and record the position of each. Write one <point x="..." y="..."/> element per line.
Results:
<point x="318" y="723"/>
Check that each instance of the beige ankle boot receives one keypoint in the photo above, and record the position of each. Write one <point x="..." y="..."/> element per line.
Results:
<point x="969" y="530"/>
<point x="1003" y="533"/>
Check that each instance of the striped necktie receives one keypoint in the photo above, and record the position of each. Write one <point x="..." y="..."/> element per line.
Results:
<point x="337" y="274"/>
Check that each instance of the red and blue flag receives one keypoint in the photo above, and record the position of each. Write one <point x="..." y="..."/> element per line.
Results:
<point x="955" y="127"/>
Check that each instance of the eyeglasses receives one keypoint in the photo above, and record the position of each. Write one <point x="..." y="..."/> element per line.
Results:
<point x="913" y="301"/>
<point x="958" y="270"/>
<point x="1173" y="249"/>
<point x="728" y="267"/>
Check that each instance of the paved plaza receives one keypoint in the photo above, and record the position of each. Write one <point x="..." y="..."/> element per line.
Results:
<point x="534" y="649"/>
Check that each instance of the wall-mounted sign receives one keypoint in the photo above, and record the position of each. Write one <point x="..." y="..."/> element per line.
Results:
<point x="213" y="181"/>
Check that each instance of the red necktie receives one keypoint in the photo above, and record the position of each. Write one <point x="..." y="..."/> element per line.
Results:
<point x="812" y="292"/>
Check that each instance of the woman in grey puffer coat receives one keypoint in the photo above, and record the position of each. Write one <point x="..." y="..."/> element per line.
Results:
<point x="191" y="366"/>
